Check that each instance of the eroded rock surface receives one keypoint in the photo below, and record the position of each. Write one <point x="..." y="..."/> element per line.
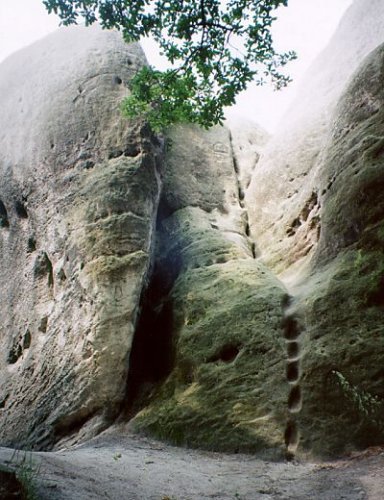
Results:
<point x="78" y="199"/>
<point x="227" y="389"/>
<point x="139" y="289"/>
<point x="283" y="197"/>
<point x="342" y="299"/>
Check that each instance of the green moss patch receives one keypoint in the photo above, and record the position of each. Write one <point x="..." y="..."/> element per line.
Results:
<point x="228" y="390"/>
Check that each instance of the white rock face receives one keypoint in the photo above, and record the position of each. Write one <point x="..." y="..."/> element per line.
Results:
<point x="283" y="199"/>
<point x="97" y="321"/>
<point x="78" y="196"/>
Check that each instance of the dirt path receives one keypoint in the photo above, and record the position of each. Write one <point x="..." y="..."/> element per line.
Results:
<point x="136" y="468"/>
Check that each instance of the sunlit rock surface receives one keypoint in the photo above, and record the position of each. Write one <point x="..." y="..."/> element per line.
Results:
<point x="78" y="197"/>
<point x="283" y="197"/>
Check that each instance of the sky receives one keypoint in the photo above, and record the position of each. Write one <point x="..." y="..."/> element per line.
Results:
<point x="304" y="26"/>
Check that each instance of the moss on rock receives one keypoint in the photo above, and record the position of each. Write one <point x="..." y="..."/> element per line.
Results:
<point x="227" y="390"/>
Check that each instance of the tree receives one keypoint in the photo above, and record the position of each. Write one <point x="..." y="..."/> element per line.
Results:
<point x="216" y="48"/>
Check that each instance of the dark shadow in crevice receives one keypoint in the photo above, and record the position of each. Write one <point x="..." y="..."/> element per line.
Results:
<point x="291" y="328"/>
<point x="152" y="355"/>
<point x="4" y="222"/>
<point x="20" y="209"/>
<point x="227" y="353"/>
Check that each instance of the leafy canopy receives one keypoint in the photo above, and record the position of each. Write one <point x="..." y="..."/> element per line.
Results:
<point x="216" y="48"/>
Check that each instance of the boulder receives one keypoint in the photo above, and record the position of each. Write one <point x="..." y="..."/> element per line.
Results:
<point x="78" y="201"/>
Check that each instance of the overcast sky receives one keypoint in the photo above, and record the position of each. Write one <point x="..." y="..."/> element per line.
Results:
<point x="304" y="26"/>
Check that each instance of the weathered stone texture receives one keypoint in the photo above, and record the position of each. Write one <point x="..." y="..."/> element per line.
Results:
<point x="283" y="197"/>
<point x="227" y="389"/>
<point x="137" y="287"/>
<point x="342" y="300"/>
<point x="79" y="192"/>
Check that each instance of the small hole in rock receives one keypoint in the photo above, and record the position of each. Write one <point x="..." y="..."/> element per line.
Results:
<point x="4" y="222"/>
<point x="27" y="340"/>
<point x="227" y="354"/>
<point x="117" y="80"/>
<point x="43" y="324"/>
<point x="14" y="354"/>
<point x="291" y="435"/>
<point x="21" y="210"/>
<point x="293" y="350"/>
<point x="291" y="328"/>
<point x="286" y="301"/>
<point x="31" y="244"/>
<point x="3" y="402"/>
<point x="61" y="275"/>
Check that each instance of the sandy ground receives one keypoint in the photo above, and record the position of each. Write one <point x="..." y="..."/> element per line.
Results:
<point x="137" y="468"/>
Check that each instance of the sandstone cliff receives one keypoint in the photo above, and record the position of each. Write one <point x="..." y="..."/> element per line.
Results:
<point x="226" y="387"/>
<point x="78" y="199"/>
<point x="283" y="198"/>
<point x="224" y="292"/>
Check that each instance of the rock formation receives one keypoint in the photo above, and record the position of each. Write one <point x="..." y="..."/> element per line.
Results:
<point x="222" y="308"/>
<point x="315" y="206"/>
<point x="341" y="300"/>
<point x="78" y="197"/>
<point x="283" y="198"/>
<point x="224" y="292"/>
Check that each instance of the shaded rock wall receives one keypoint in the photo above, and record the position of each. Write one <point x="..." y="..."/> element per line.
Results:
<point x="227" y="388"/>
<point x="78" y="199"/>
<point x="316" y="209"/>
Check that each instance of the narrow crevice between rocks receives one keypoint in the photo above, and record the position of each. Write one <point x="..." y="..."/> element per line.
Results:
<point x="292" y="331"/>
<point x="241" y="196"/>
<point x="152" y="352"/>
